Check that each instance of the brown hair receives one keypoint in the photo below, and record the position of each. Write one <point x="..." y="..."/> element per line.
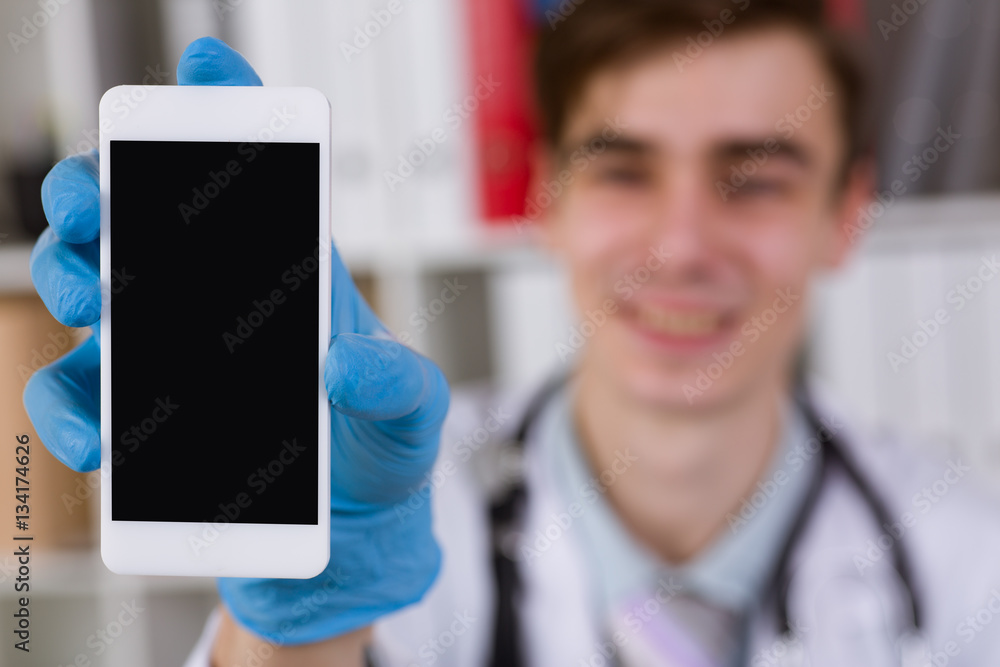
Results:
<point x="582" y="37"/>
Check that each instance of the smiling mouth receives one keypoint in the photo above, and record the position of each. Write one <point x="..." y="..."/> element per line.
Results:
<point x="681" y="323"/>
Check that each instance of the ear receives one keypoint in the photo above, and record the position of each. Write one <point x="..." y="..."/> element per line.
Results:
<point x="855" y="196"/>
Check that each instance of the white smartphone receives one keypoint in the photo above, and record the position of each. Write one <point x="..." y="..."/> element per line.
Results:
<point x="215" y="323"/>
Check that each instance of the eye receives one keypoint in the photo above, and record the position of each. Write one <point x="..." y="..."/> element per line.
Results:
<point x="630" y="176"/>
<point x="759" y="187"/>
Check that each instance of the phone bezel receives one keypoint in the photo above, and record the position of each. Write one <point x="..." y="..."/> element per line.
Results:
<point x="215" y="113"/>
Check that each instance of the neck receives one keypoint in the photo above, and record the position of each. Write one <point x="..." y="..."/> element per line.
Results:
<point x="691" y="467"/>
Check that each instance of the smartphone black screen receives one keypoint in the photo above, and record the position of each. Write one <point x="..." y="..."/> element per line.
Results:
<point x="215" y="323"/>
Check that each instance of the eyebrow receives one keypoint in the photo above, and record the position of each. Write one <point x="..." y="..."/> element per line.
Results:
<point x="772" y="147"/>
<point x="597" y="144"/>
<point x="728" y="151"/>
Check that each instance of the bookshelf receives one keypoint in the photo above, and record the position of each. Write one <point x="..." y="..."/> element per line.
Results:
<point x="404" y="245"/>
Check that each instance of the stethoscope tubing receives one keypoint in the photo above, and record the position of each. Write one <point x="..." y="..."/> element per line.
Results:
<point x="505" y="515"/>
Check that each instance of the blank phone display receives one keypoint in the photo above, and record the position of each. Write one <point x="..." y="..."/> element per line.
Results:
<point x="215" y="358"/>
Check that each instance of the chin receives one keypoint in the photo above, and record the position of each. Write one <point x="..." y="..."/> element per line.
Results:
<point x="681" y="380"/>
<point x="686" y="390"/>
<point x="697" y="383"/>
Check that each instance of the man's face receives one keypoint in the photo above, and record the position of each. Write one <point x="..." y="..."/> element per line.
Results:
<point x="691" y="236"/>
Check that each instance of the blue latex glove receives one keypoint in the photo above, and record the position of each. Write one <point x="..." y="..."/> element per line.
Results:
<point x="388" y="404"/>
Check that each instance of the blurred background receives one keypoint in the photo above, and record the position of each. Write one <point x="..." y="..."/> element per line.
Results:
<point x="415" y="214"/>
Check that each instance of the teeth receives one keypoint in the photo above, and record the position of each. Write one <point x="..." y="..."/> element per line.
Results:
<point x="677" y="323"/>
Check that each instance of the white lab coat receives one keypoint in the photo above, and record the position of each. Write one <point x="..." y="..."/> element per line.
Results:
<point x="844" y="597"/>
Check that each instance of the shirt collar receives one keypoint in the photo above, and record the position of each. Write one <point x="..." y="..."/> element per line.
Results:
<point x="733" y="569"/>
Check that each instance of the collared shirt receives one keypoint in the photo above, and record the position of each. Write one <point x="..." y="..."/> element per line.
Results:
<point x="732" y="570"/>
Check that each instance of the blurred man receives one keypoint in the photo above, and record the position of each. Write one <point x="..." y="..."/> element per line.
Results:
<point x="680" y="499"/>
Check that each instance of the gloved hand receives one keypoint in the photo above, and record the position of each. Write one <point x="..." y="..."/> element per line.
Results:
<point x="388" y="404"/>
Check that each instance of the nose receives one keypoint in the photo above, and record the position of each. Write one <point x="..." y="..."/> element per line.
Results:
<point x="682" y="224"/>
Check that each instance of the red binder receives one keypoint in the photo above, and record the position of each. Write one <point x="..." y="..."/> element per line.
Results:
<point x="501" y="36"/>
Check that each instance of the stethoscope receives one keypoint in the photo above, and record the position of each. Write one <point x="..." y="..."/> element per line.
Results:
<point x="507" y="510"/>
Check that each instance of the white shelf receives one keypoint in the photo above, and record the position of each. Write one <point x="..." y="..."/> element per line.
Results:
<point x="481" y="247"/>
<point x="937" y="223"/>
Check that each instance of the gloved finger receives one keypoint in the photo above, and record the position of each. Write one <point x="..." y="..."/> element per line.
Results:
<point x="67" y="277"/>
<point x="208" y="61"/>
<point x="378" y="379"/>
<point x="63" y="403"/>
<point x="71" y="198"/>
<point x="396" y="400"/>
